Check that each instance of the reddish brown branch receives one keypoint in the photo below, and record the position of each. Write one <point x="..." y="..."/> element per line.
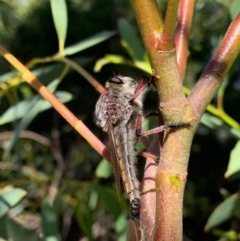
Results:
<point x="174" y="109"/>
<point x="212" y="77"/>
<point x="185" y="13"/>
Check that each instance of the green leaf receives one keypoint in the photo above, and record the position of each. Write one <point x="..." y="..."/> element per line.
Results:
<point x="117" y="59"/>
<point x="87" y="43"/>
<point x="223" y="212"/>
<point x="121" y="223"/>
<point x="121" y="226"/>
<point x="84" y="216"/>
<point x="10" y="198"/>
<point x="60" y="19"/>
<point x="7" y="76"/>
<point x="104" y="169"/>
<point x="234" y="9"/>
<point x="28" y="111"/>
<point x="111" y="59"/>
<point x="211" y="121"/>
<point x="234" y="162"/>
<point x="20" y="228"/>
<point x="131" y="40"/>
<point x="49" y="223"/>
<point x="93" y="199"/>
<point x="35" y="104"/>
<point x="109" y="197"/>
<point x="148" y="124"/>
<point x="235" y="132"/>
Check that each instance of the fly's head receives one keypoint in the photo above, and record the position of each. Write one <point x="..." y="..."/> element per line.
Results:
<point x="122" y="86"/>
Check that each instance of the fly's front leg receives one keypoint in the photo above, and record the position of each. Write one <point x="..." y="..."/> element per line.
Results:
<point x="142" y="87"/>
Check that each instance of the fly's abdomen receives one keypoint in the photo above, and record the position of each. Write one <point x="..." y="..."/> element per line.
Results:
<point x="126" y="157"/>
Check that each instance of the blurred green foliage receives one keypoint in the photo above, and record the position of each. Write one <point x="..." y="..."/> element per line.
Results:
<point x="49" y="171"/>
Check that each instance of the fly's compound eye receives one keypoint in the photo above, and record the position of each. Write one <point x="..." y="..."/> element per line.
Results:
<point x="115" y="80"/>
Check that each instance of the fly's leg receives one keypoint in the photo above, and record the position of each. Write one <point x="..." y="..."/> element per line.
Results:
<point x="142" y="86"/>
<point x="156" y="130"/>
<point x="144" y="140"/>
<point x="163" y="128"/>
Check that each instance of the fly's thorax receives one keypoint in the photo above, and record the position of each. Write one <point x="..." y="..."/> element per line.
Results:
<point x="101" y="111"/>
<point x="112" y="111"/>
<point x="118" y="105"/>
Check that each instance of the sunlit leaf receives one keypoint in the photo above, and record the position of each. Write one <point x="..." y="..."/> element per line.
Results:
<point x="8" y="75"/>
<point x="60" y="19"/>
<point x="9" y="198"/>
<point x="93" y="198"/>
<point x="104" y="169"/>
<point x="23" y="108"/>
<point x="234" y="9"/>
<point x="17" y="231"/>
<point x="117" y="59"/>
<point x="235" y="132"/>
<point x="111" y="59"/>
<point x="223" y="212"/>
<point x="211" y="121"/>
<point x="28" y="110"/>
<point x="121" y="223"/>
<point x="234" y="162"/>
<point x="89" y="42"/>
<point x="121" y="226"/>
<point x="46" y="74"/>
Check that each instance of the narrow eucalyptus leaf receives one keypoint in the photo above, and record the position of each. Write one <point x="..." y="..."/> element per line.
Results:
<point x="234" y="9"/>
<point x="23" y="108"/>
<point x="49" y="222"/>
<point x="234" y="163"/>
<point x="89" y="42"/>
<point x="9" y="198"/>
<point x="134" y="45"/>
<point x="60" y="19"/>
<point x="223" y="212"/>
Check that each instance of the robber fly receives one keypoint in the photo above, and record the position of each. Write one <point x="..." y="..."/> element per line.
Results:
<point x="119" y="112"/>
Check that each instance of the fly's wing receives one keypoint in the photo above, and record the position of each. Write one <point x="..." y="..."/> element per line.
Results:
<point x="115" y="161"/>
<point x="134" y="231"/>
